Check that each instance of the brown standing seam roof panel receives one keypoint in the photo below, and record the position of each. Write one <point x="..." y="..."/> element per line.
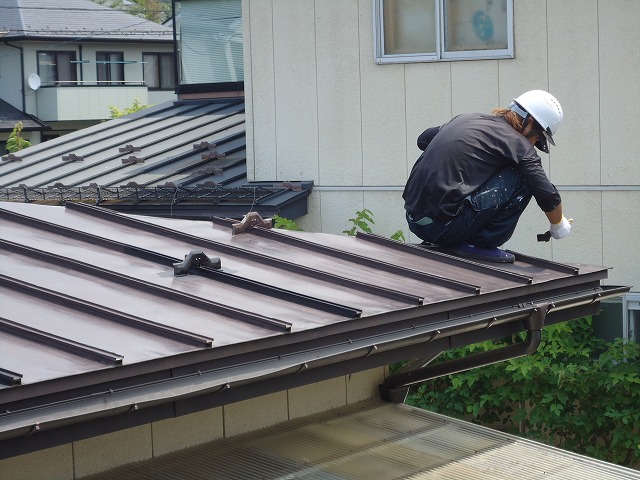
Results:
<point x="122" y="312"/>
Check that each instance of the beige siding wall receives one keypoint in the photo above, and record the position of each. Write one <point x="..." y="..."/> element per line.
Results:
<point x="86" y="457"/>
<point x="322" y="110"/>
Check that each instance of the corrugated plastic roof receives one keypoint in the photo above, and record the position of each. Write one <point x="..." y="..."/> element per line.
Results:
<point x="80" y="20"/>
<point x="373" y="441"/>
<point x="103" y="313"/>
<point x="182" y="159"/>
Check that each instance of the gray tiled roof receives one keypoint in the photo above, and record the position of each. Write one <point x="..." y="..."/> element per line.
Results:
<point x="75" y="19"/>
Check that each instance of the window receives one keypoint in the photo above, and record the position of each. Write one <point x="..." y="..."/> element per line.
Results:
<point x="209" y="37"/>
<point x="631" y="316"/>
<point x="57" y="68"/>
<point x="110" y="68"/>
<point x="435" y="30"/>
<point x="159" y="70"/>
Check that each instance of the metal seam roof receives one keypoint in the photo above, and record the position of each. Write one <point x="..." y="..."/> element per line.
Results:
<point x="183" y="159"/>
<point x="131" y="313"/>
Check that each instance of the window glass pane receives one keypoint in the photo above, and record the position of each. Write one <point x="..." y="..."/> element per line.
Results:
<point x="475" y="25"/>
<point x="47" y="68"/>
<point x="210" y="41"/>
<point x="102" y="68"/>
<point x="409" y="26"/>
<point x="151" y="70"/>
<point x="66" y="70"/>
<point x="167" y="75"/>
<point x="110" y="67"/>
<point x="117" y="67"/>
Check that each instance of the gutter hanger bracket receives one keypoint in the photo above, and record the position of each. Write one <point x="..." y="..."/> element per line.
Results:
<point x="395" y="387"/>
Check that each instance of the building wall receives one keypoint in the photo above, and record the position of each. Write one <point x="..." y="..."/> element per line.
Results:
<point x="86" y="457"/>
<point x="10" y="88"/>
<point x="86" y="102"/>
<point x="320" y="109"/>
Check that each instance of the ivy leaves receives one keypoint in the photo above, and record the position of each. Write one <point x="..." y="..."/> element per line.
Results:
<point x="577" y="392"/>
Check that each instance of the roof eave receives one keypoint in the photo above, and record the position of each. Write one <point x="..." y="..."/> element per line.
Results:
<point x="58" y="422"/>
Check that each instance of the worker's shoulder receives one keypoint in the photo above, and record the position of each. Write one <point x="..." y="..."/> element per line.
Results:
<point x="476" y="120"/>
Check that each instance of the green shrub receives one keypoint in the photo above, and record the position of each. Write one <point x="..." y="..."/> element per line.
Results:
<point x="285" y="223"/>
<point x="363" y="221"/>
<point x="136" y="106"/>
<point x="15" y="142"/>
<point x="576" y="392"/>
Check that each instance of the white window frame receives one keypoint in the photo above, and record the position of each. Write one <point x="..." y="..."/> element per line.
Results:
<point x="440" y="55"/>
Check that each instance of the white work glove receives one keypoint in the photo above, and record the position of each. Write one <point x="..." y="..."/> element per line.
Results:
<point x="561" y="229"/>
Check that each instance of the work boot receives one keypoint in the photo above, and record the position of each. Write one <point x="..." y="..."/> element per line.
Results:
<point x="483" y="253"/>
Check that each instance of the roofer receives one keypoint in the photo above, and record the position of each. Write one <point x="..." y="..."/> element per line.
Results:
<point x="477" y="174"/>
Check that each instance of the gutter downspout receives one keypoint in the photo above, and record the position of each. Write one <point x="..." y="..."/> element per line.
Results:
<point x="24" y="102"/>
<point x="395" y="388"/>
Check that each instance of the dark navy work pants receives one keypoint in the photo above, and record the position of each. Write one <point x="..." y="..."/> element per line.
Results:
<point x="488" y="217"/>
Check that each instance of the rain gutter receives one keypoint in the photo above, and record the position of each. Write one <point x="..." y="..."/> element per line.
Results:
<point x="113" y="402"/>
<point x="395" y="387"/>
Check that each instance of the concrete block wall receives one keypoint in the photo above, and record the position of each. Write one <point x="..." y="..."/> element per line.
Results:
<point x="97" y="454"/>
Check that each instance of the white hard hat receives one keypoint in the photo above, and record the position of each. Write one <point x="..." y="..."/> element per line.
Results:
<point x="545" y="109"/>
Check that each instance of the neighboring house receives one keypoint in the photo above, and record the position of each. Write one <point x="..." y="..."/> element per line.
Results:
<point x="131" y="338"/>
<point x="65" y="62"/>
